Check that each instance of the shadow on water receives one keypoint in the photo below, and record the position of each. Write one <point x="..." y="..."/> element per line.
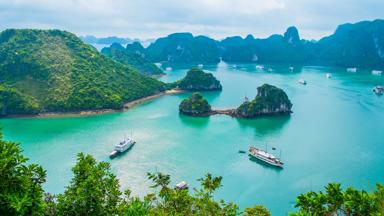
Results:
<point x="195" y="122"/>
<point x="264" y="164"/>
<point x="265" y="125"/>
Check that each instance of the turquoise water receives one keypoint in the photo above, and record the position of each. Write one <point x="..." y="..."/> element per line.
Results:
<point x="335" y="133"/>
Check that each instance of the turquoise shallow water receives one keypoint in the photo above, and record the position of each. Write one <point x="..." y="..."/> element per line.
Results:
<point x="335" y="133"/>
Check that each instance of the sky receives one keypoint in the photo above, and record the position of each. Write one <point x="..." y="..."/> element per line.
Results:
<point x="145" y="19"/>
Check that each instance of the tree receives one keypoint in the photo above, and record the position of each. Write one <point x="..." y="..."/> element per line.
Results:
<point x="94" y="190"/>
<point x="21" y="191"/>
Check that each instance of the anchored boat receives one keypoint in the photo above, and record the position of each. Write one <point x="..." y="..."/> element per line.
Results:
<point x="122" y="146"/>
<point x="302" y="81"/>
<point x="265" y="157"/>
<point x="379" y="90"/>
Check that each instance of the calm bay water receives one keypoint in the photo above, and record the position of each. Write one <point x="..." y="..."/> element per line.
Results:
<point x="335" y="134"/>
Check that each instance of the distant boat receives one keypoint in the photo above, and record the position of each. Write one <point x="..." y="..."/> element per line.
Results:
<point x="265" y="157"/>
<point x="377" y="72"/>
<point x="181" y="186"/>
<point x="290" y="69"/>
<point x="259" y="67"/>
<point x="168" y="68"/>
<point x="302" y="81"/>
<point x="200" y="65"/>
<point x="122" y="146"/>
<point x="353" y="70"/>
<point x="379" y="90"/>
<point x="328" y="75"/>
<point x="270" y="70"/>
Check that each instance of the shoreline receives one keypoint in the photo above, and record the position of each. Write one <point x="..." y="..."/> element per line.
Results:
<point x="126" y="107"/>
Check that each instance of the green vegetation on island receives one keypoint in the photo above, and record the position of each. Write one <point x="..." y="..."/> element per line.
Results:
<point x="184" y="48"/>
<point x="197" y="79"/>
<point x="54" y="71"/>
<point x="268" y="101"/>
<point x="195" y="105"/>
<point x="131" y="57"/>
<point x="95" y="190"/>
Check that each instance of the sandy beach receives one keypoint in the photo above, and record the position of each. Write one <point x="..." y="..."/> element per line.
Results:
<point x="126" y="107"/>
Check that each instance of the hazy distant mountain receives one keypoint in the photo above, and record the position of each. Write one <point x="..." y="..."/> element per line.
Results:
<point x="133" y="55"/>
<point x="90" y="39"/>
<point x="184" y="48"/>
<point x="352" y="45"/>
<point x="276" y="48"/>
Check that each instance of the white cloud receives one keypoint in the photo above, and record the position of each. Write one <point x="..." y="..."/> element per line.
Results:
<point x="217" y="18"/>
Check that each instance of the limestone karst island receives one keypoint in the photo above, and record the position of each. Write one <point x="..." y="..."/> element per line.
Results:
<point x="191" y="108"/>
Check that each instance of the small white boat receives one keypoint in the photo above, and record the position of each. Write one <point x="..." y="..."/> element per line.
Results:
<point x="353" y="70"/>
<point x="200" y="65"/>
<point x="265" y="157"/>
<point x="302" y="81"/>
<point x="379" y="90"/>
<point x="181" y="185"/>
<point x="122" y="146"/>
<point x="270" y="70"/>
<point x="259" y="67"/>
<point x="168" y="68"/>
<point x="328" y="75"/>
<point x="377" y="72"/>
<point x="291" y="69"/>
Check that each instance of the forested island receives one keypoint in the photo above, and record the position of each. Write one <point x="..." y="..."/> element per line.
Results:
<point x="195" y="105"/>
<point x="269" y="100"/>
<point x="54" y="71"/>
<point x="197" y="80"/>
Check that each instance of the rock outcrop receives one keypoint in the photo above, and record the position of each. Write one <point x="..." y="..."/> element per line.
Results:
<point x="197" y="80"/>
<point x="195" y="105"/>
<point x="269" y="100"/>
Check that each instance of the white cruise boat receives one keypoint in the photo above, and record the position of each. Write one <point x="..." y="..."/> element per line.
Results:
<point x="377" y="72"/>
<point x="265" y="157"/>
<point x="328" y="75"/>
<point x="379" y="90"/>
<point x="302" y="81"/>
<point x="291" y="69"/>
<point x="168" y="68"/>
<point x="259" y="67"/>
<point x="353" y="70"/>
<point x="181" y="185"/>
<point x="200" y="65"/>
<point x="122" y="146"/>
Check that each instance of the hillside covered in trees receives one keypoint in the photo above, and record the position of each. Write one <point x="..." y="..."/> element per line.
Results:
<point x="132" y="56"/>
<point x="52" y="70"/>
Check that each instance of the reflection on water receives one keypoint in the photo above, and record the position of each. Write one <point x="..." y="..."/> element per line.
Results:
<point x="265" y="125"/>
<point x="195" y="122"/>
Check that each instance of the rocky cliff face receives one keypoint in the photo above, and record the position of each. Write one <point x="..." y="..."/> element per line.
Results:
<point x="195" y="105"/>
<point x="197" y="79"/>
<point x="270" y="100"/>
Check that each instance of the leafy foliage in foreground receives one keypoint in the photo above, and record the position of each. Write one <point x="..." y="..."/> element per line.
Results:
<point x="21" y="191"/>
<point x="336" y="201"/>
<point x="95" y="190"/>
<point x="59" y="72"/>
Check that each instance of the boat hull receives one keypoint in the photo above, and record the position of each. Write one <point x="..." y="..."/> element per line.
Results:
<point x="266" y="161"/>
